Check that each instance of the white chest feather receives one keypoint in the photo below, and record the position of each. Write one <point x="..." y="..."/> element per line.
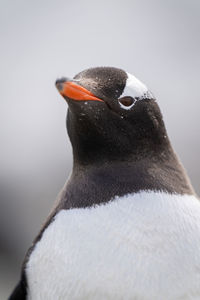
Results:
<point x="144" y="246"/>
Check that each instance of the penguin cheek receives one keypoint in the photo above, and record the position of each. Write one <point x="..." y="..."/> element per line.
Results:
<point x="87" y="110"/>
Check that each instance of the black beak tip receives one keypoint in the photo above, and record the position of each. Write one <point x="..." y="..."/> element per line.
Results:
<point x="62" y="80"/>
<point x="59" y="82"/>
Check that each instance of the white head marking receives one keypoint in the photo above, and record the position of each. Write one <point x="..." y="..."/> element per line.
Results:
<point x="136" y="89"/>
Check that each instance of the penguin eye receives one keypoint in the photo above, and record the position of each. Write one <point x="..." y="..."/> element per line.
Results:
<point x="126" y="101"/>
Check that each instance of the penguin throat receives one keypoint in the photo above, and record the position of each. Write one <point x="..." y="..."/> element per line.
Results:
<point x="96" y="145"/>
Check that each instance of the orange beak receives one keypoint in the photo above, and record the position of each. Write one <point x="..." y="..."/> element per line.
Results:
<point x="74" y="91"/>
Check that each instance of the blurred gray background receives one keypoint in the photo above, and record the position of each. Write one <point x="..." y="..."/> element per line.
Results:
<point x="158" y="41"/>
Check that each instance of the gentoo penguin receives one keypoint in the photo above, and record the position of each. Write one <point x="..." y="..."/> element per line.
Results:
<point x="127" y="223"/>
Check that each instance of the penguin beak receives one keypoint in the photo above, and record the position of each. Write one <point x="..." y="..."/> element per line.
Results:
<point x="70" y="89"/>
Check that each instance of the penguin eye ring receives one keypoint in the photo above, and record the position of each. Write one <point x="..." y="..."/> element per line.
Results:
<point x="126" y="102"/>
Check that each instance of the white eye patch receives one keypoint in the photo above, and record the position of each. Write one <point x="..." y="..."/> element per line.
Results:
<point x="136" y="89"/>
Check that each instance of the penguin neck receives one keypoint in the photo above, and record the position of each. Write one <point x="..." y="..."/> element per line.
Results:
<point x="84" y="158"/>
<point x="137" y="156"/>
<point x="109" y="158"/>
<point x="97" y="184"/>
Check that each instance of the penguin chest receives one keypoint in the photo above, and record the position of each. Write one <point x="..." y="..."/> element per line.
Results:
<point x="140" y="246"/>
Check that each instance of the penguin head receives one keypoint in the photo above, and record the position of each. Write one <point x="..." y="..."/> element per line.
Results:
<point x="111" y="116"/>
<point x="115" y="87"/>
